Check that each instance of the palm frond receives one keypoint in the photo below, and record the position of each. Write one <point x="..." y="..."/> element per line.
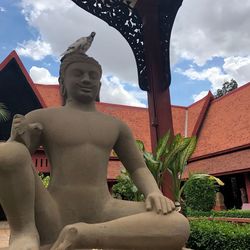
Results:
<point x="4" y="113"/>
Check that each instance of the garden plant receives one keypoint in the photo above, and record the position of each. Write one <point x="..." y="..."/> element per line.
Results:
<point x="218" y="235"/>
<point x="195" y="188"/>
<point x="4" y="113"/>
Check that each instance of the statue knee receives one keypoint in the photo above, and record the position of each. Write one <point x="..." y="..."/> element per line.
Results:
<point x="177" y="227"/>
<point x="13" y="155"/>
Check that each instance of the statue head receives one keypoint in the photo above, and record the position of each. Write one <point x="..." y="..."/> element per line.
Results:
<point x="75" y="65"/>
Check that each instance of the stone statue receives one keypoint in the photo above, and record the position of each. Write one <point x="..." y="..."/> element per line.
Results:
<point x="77" y="210"/>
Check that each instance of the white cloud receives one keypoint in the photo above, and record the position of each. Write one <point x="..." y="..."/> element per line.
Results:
<point x="42" y="75"/>
<point x="2" y="9"/>
<point x="199" y="96"/>
<point x="237" y="68"/>
<point x="214" y="75"/>
<point x="205" y="29"/>
<point x="202" y="31"/>
<point x="113" y="91"/>
<point x="60" y="23"/>
<point x="37" y="50"/>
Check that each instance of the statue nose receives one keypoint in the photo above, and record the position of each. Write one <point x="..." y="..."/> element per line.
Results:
<point x="85" y="78"/>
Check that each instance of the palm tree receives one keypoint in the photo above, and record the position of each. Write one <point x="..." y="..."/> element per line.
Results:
<point x="4" y="113"/>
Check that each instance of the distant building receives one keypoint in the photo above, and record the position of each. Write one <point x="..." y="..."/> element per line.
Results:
<point x="222" y="127"/>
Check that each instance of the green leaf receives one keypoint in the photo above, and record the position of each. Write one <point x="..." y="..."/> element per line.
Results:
<point x="204" y="176"/>
<point x="162" y="146"/>
<point x="179" y="144"/>
<point x="140" y="145"/>
<point x="187" y="152"/>
<point x="152" y="164"/>
<point x="4" y="113"/>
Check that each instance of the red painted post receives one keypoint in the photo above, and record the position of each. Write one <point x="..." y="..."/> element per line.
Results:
<point x="158" y="99"/>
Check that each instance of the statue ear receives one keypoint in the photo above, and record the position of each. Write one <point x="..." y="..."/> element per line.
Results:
<point x="98" y="94"/>
<point x="63" y="92"/>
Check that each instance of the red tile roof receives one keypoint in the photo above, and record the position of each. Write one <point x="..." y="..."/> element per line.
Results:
<point x="114" y="169"/>
<point x="227" y="123"/>
<point x="179" y="117"/>
<point x="50" y="94"/>
<point x="227" y="118"/>
<point x="222" y="125"/>
<point x="196" y="114"/>
<point x="234" y="162"/>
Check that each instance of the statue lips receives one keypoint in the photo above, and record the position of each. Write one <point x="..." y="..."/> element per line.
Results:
<point x="85" y="88"/>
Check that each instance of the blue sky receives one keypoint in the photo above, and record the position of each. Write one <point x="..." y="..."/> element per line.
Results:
<point x="209" y="45"/>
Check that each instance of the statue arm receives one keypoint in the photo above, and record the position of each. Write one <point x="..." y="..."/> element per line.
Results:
<point x="133" y="161"/>
<point x="26" y="130"/>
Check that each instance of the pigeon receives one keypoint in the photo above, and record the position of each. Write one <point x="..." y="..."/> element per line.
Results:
<point x="81" y="45"/>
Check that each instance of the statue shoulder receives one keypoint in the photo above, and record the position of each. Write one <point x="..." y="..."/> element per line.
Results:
<point x="124" y="128"/>
<point x="119" y="124"/>
<point x="41" y="115"/>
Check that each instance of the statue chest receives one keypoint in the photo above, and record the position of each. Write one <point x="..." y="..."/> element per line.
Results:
<point x="81" y="130"/>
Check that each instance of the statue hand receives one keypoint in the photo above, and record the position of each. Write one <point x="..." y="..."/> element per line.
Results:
<point x="161" y="203"/>
<point x="21" y="130"/>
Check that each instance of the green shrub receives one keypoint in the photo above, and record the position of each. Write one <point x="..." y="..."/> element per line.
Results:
<point x="234" y="213"/>
<point x="200" y="194"/>
<point x="125" y="189"/>
<point x="217" y="235"/>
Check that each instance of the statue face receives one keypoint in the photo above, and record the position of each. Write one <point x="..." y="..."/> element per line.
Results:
<point x="82" y="82"/>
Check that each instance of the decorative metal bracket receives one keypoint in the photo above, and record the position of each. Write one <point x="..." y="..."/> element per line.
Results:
<point x="167" y="13"/>
<point x="126" y="20"/>
<point x="121" y="16"/>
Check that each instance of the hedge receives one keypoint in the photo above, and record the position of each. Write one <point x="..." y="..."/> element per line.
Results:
<point x="218" y="235"/>
<point x="233" y="213"/>
<point x="200" y="193"/>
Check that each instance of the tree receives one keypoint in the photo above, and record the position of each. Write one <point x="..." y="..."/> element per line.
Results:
<point x="226" y="88"/>
<point x="4" y="113"/>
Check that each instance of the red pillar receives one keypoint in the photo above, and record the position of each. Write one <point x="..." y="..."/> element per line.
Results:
<point x="158" y="99"/>
<point x="247" y="183"/>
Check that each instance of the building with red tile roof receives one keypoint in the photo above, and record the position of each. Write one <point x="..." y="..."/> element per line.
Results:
<point x="221" y="125"/>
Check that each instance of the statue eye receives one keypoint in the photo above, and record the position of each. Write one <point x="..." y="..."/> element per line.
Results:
<point x="77" y="73"/>
<point x="93" y="75"/>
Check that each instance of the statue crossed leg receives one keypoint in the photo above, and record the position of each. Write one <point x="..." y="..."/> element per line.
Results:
<point x="36" y="215"/>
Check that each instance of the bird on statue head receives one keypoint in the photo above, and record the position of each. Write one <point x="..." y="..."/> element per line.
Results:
<point x="81" y="45"/>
